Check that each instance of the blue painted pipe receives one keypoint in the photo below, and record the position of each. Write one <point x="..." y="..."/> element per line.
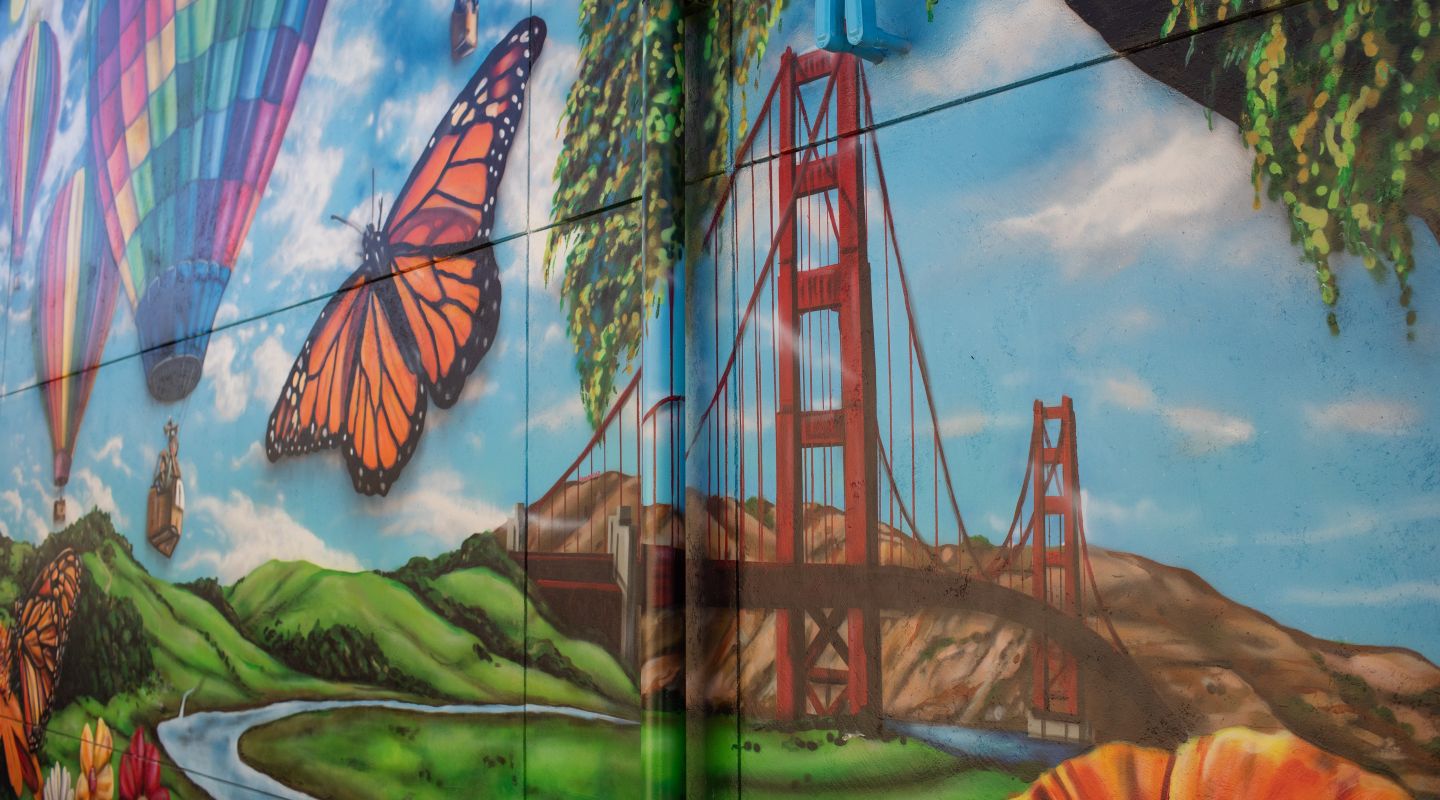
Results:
<point x="849" y="26"/>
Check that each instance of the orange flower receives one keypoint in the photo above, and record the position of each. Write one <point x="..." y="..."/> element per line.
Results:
<point x="97" y="777"/>
<point x="1233" y="764"/>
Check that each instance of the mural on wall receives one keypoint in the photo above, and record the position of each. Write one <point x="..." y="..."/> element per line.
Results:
<point x="1042" y="438"/>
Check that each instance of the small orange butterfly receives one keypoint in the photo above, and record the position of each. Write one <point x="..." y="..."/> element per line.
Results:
<point x="30" y="656"/>
<point x="423" y="308"/>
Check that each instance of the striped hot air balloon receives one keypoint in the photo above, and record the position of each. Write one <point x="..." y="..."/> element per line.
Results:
<point x="31" y="108"/>
<point x="75" y="302"/>
<point x="189" y="100"/>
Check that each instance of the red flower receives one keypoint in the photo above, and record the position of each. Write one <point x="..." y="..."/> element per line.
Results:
<point x="140" y="771"/>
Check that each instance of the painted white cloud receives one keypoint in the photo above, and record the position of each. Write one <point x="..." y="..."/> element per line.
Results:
<point x="1160" y="176"/>
<point x="252" y="534"/>
<point x="298" y="196"/>
<point x="254" y="454"/>
<point x="541" y="133"/>
<point x="555" y="417"/>
<point x="437" y="505"/>
<point x="269" y="366"/>
<point x="298" y="199"/>
<point x="351" y="61"/>
<point x="113" y="453"/>
<point x="232" y="386"/>
<point x="1127" y="391"/>
<point x="1202" y="430"/>
<point x="1206" y="430"/>
<point x="88" y="491"/>
<point x="1395" y="594"/>
<point x="1354" y="522"/>
<point x="970" y="422"/>
<point x="1374" y="416"/>
<point x="999" y="43"/>
<point x="407" y="121"/>
<point x="1105" y="517"/>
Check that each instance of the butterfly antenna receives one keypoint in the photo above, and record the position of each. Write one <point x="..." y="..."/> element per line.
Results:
<point x="373" y="220"/>
<point x="382" y="212"/>
<point x="344" y="221"/>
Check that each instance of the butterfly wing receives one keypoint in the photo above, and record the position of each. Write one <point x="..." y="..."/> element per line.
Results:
<point x="351" y="387"/>
<point x="22" y="767"/>
<point x="42" y="627"/>
<point x="386" y="410"/>
<point x="311" y="412"/>
<point x="447" y="285"/>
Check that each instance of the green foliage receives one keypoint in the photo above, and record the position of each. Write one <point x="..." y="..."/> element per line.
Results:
<point x="210" y="590"/>
<point x="1342" y="112"/>
<point x="620" y="126"/>
<point x="478" y="550"/>
<point x="109" y="648"/>
<point x="763" y="510"/>
<point x="934" y="646"/>
<point x="342" y="653"/>
<point x="426" y="577"/>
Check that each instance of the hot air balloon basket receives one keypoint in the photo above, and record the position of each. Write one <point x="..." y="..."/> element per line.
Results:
<point x="464" y="28"/>
<point x="164" y="518"/>
<point x="58" y="513"/>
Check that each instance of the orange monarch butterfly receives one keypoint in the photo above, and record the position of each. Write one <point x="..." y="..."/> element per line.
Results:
<point x="423" y="308"/>
<point x="30" y="656"/>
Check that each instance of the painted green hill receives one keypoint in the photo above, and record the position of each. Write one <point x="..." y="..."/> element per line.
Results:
<point x="458" y="635"/>
<point x="138" y="644"/>
<point x="458" y="628"/>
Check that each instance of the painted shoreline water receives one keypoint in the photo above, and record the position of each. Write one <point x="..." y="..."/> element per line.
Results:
<point x="206" y="745"/>
<point x="1001" y="748"/>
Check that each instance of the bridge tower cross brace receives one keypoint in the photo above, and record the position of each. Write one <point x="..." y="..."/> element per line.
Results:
<point x="1055" y="558"/>
<point x="843" y="288"/>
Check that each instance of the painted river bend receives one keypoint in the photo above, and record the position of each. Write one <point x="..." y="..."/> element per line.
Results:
<point x="207" y="743"/>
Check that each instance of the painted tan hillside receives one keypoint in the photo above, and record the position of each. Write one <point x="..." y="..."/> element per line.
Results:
<point x="1218" y="662"/>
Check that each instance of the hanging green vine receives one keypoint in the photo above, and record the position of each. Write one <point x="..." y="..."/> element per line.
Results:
<point x="1342" y="112"/>
<point x="610" y="117"/>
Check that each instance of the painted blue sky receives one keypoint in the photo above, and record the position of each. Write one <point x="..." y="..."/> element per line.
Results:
<point x="1092" y="234"/>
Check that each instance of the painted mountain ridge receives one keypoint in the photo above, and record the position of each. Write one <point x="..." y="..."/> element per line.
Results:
<point x="1218" y="662"/>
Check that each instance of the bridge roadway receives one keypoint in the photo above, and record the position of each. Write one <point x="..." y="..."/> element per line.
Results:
<point x="581" y="589"/>
<point x="1132" y="704"/>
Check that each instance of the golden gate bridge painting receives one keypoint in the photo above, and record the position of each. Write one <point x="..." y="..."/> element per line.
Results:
<point x="821" y="493"/>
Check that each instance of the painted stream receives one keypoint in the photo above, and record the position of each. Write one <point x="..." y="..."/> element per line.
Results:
<point x="207" y="743"/>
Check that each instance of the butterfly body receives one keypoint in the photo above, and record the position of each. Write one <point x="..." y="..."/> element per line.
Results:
<point x="420" y="312"/>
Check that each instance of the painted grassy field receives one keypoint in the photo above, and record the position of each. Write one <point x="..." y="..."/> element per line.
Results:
<point x="390" y="753"/>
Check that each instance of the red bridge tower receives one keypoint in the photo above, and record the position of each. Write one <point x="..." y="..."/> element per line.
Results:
<point x="810" y="165"/>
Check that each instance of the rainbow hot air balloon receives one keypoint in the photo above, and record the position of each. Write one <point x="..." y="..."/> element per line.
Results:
<point x="189" y="100"/>
<point x="31" y="108"/>
<point x="75" y="302"/>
